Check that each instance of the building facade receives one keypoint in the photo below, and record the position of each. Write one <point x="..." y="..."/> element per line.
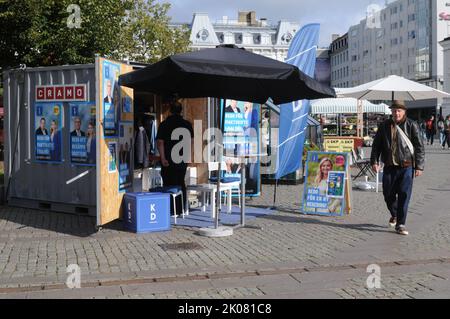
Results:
<point x="339" y="60"/>
<point x="446" y="102"/>
<point x="255" y="35"/>
<point x="400" y="39"/>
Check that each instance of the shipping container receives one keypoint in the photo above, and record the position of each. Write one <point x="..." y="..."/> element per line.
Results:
<point x="28" y="182"/>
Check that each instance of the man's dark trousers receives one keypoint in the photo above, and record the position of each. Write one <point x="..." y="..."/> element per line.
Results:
<point x="397" y="189"/>
<point x="174" y="176"/>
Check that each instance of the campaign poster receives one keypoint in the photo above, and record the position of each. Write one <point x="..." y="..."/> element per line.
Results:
<point x="335" y="184"/>
<point x="125" y="156"/>
<point x="112" y="157"/>
<point x="241" y="138"/>
<point x="48" y="135"/>
<point x="324" y="192"/>
<point x="83" y="144"/>
<point x="111" y="98"/>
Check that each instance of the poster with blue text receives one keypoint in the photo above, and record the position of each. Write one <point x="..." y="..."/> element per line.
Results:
<point x="111" y="99"/>
<point x="83" y="142"/>
<point x="125" y="155"/>
<point x="325" y="182"/>
<point x="47" y="130"/>
<point x="241" y="138"/>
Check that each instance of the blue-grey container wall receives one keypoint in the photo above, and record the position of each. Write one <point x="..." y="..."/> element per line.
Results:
<point x="34" y="181"/>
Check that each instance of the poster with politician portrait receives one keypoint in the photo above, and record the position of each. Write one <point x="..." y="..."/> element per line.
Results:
<point x="125" y="155"/>
<point x="241" y="138"/>
<point x="111" y="98"/>
<point x="48" y="127"/>
<point x="83" y="142"/>
<point x="325" y="190"/>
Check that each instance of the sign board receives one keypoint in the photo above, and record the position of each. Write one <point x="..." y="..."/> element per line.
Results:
<point x="61" y="93"/>
<point x="125" y="155"/>
<point x="83" y="141"/>
<point x="339" y="145"/>
<point x="110" y="112"/>
<point x="327" y="186"/>
<point x="240" y="138"/>
<point x="48" y="125"/>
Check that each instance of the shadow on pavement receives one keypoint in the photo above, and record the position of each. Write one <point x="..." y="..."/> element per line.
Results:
<point x="312" y="220"/>
<point x="56" y="222"/>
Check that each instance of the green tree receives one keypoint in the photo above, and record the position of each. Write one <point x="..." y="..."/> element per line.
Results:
<point x="41" y="34"/>
<point x="148" y="36"/>
<point x="36" y="32"/>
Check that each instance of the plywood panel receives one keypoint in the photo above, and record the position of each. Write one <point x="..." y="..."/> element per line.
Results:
<point x="109" y="199"/>
<point x="197" y="110"/>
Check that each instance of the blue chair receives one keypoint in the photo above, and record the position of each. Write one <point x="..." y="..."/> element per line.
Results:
<point x="174" y="191"/>
<point x="233" y="182"/>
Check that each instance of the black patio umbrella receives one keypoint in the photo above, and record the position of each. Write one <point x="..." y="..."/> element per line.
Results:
<point x="226" y="72"/>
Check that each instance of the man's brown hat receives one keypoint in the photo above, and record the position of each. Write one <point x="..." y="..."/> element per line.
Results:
<point x="398" y="104"/>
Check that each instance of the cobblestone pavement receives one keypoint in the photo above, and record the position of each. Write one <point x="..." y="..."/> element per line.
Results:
<point x="290" y="256"/>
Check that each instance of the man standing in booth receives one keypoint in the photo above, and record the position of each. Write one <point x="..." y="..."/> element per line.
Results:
<point x="174" y="164"/>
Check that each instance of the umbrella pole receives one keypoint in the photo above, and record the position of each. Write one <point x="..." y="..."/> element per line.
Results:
<point x="220" y="159"/>
<point x="275" y="195"/>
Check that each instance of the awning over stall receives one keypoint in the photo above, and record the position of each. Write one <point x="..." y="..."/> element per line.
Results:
<point x="346" y="106"/>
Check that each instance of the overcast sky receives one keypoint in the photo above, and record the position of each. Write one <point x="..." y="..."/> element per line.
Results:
<point x="334" y="16"/>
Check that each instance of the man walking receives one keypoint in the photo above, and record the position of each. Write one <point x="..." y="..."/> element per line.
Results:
<point x="401" y="149"/>
<point x="174" y="166"/>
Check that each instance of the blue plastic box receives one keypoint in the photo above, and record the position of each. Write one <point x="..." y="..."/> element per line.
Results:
<point x="146" y="212"/>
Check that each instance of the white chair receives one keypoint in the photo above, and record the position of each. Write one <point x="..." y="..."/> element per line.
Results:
<point x="174" y="192"/>
<point x="227" y="186"/>
<point x="233" y="183"/>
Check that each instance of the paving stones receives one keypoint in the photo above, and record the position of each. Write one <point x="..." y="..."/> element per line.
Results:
<point x="36" y="244"/>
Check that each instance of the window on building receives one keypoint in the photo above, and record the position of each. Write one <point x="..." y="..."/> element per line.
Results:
<point x="354" y="58"/>
<point x="238" y="38"/>
<point x="411" y="17"/>
<point x="411" y="35"/>
<point x="401" y="23"/>
<point x="394" y="42"/>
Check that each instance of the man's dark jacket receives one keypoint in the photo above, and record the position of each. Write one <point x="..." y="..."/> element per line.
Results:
<point x="382" y="145"/>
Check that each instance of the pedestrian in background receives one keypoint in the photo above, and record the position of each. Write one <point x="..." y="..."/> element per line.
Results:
<point x="447" y="132"/>
<point x="400" y="147"/>
<point x="441" y="129"/>
<point x="430" y="130"/>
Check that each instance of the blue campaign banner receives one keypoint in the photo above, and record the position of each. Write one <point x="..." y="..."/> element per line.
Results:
<point x="83" y="141"/>
<point x="125" y="156"/>
<point x="240" y="138"/>
<point x="294" y="116"/>
<point x="111" y="98"/>
<point x="47" y="132"/>
<point x="324" y="192"/>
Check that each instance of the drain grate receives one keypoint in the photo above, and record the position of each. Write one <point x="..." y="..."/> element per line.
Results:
<point x="181" y="246"/>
